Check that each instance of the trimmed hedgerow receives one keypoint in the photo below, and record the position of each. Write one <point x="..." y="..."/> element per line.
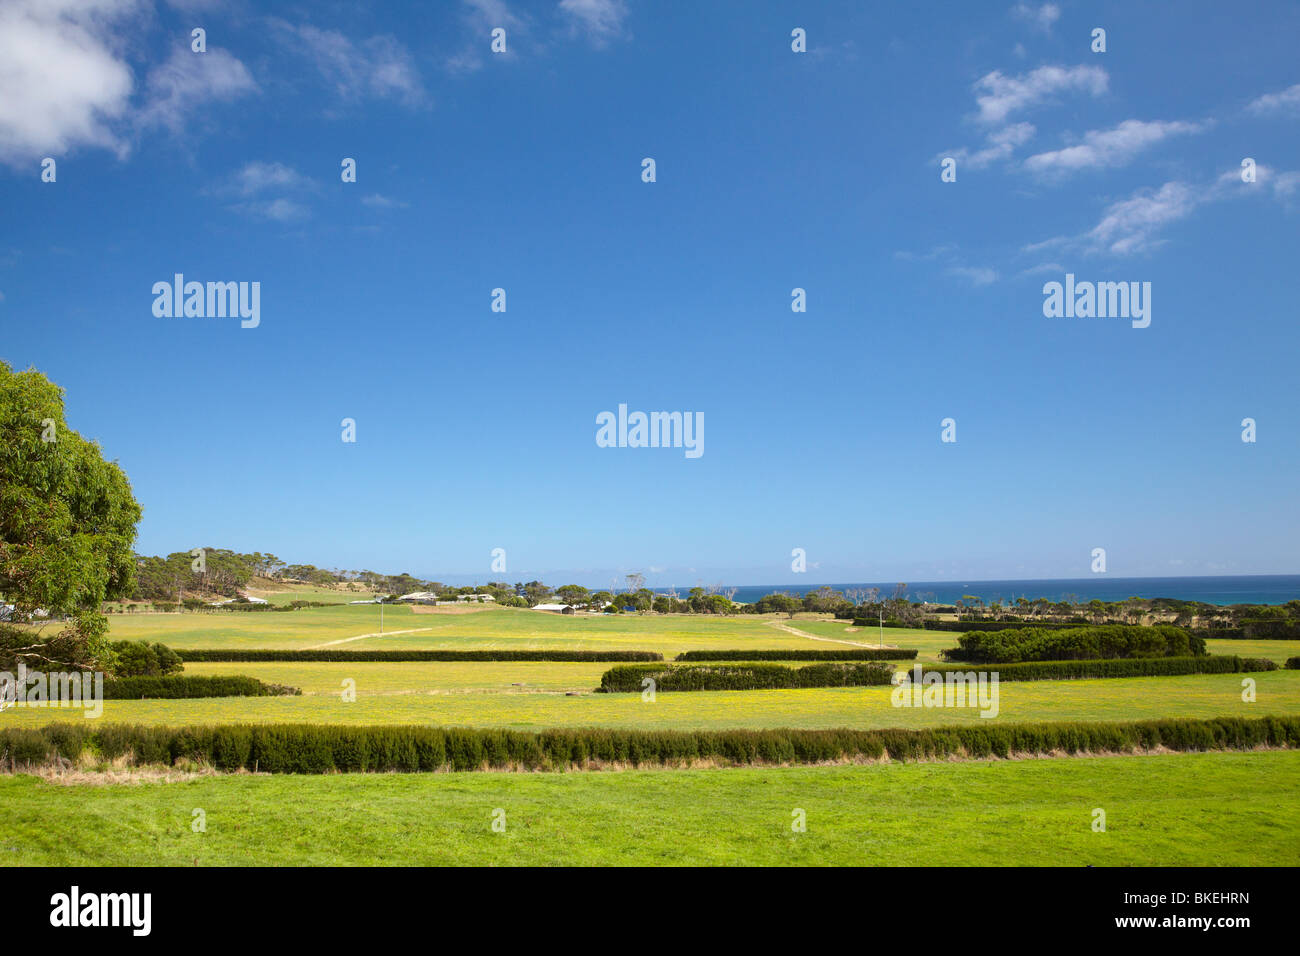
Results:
<point x="745" y="676"/>
<point x="322" y="748"/>
<point x="234" y="685"/>
<point x="1120" y="667"/>
<point x="1077" y="643"/>
<point x="350" y="656"/>
<point x="860" y="654"/>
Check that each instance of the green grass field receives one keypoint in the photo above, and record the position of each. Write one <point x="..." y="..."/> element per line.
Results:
<point x="493" y="628"/>
<point x="1189" y="809"/>
<point x="1214" y="809"/>
<point x="481" y="695"/>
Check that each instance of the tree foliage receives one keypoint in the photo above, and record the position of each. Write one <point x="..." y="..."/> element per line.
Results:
<point x="67" y="526"/>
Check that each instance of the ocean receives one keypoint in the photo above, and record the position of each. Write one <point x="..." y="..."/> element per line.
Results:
<point x="1228" y="589"/>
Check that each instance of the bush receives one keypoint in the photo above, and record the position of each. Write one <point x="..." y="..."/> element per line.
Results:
<point x="175" y="688"/>
<point x="247" y="656"/>
<point x="323" y="748"/>
<point x="1119" y="667"/>
<point x="1293" y="663"/>
<point x="745" y="676"/>
<point x="862" y="654"/>
<point x="1261" y="629"/>
<point x="1076" y="643"/>
<point x="142" y="659"/>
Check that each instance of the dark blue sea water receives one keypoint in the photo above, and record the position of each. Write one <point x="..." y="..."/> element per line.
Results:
<point x="1233" y="589"/>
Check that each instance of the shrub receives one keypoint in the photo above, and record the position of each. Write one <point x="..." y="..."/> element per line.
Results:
<point x="745" y="676"/>
<point x="323" y="748"/>
<point x="142" y="659"/>
<point x="174" y="688"/>
<point x="862" y="654"/>
<point x="1293" y="663"/>
<point x="1119" y="667"/>
<point x="247" y="656"/>
<point x="1076" y="643"/>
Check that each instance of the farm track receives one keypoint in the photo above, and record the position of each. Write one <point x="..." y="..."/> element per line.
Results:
<point x="814" y="637"/>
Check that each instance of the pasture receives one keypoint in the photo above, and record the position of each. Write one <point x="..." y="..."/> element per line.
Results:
<point x="1020" y="811"/>
<point x="1027" y="812"/>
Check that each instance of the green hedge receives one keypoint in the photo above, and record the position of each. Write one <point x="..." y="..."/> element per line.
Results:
<point x="1076" y="643"/>
<point x="323" y="748"/>
<point x="172" y="688"/>
<point x="965" y="625"/>
<point x="1258" y="630"/>
<point x="1293" y="663"/>
<point x="862" y="654"/>
<point x="745" y="676"/>
<point x="888" y="622"/>
<point x="247" y="656"/>
<point x="1120" y="667"/>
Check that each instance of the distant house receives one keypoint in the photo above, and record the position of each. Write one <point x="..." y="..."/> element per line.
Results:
<point x="243" y="598"/>
<point x="474" y="597"/>
<point x="555" y="608"/>
<point x="420" y="597"/>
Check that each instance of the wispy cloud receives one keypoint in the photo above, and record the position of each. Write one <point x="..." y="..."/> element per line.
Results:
<point x="599" y="20"/>
<point x="376" y="201"/>
<point x="378" y="67"/>
<point x="977" y="275"/>
<point x="998" y="95"/>
<point x="1039" y="17"/>
<point x="189" y="80"/>
<point x="480" y="18"/>
<point x="1134" y="224"/>
<point x="1110" y="147"/>
<point x="1287" y="101"/>
<point x="999" y="145"/>
<point x="250" y="185"/>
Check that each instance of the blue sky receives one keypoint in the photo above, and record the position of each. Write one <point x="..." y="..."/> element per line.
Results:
<point x="775" y="170"/>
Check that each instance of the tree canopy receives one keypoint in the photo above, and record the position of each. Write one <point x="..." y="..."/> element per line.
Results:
<point x="67" y="525"/>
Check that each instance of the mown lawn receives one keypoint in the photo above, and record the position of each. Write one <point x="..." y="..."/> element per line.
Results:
<point x="1218" y="809"/>
<point x="480" y="695"/>
<point x="493" y="628"/>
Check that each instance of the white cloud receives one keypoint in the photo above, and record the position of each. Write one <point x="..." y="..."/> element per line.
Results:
<point x="999" y="95"/>
<point x="481" y="17"/>
<point x="377" y="201"/>
<point x="188" y="80"/>
<point x="977" y="275"/>
<point x="62" y="82"/>
<point x="998" y="145"/>
<point x="257" y="176"/>
<point x="1132" y="225"/>
<point x="378" y="67"/>
<point x="1044" y="267"/>
<point x="1129" y="225"/>
<point x="1040" y="18"/>
<point x="1111" y="147"/>
<point x="279" y="210"/>
<point x="251" y="182"/>
<point x="600" y="20"/>
<point x="1287" y="100"/>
